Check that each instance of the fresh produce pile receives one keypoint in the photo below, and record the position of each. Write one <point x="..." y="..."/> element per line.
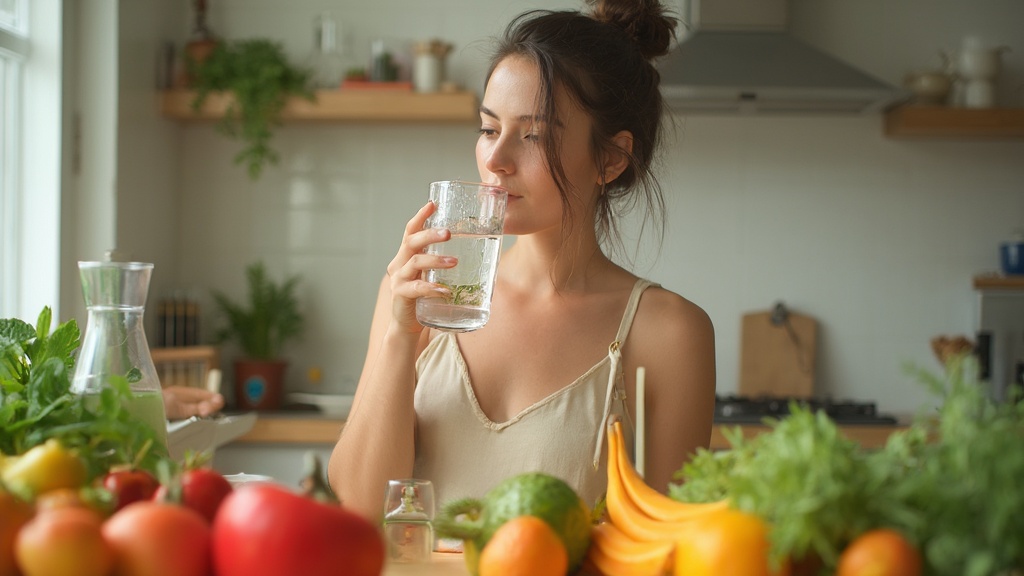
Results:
<point x="194" y="524"/>
<point x="89" y="492"/>
<point x="943" y="497"/>
<point x="950" y="483"/>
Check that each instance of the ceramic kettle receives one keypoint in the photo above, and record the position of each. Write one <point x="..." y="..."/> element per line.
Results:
<point x="976" y="66"/>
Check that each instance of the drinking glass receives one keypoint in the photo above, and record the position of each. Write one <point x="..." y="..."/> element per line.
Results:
<point x="475" y="215"/>
<point x="408" y="514"/>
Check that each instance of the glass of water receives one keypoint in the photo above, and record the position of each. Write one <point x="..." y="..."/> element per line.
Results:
<point x="475" y="215"/>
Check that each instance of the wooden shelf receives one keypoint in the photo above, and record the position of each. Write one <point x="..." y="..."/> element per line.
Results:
<point x="998" y="282"/>
<point x="293" y="430"/>
<point x="959" y="123"/>
<point x="341" y="106"/>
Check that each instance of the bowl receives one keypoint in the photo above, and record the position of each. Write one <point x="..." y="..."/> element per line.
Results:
<point x="928" y="87"/>
<point x="329" y="404"/>
<point x="1011" y="257"/>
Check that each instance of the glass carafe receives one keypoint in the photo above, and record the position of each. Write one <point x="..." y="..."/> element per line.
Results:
<point x="115" y="343"/>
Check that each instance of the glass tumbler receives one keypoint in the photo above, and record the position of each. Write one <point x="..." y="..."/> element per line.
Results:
<point x="475" y="215"/>
<point x="408" y="517"/>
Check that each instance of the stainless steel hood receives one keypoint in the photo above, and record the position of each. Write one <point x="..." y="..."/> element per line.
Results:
<point x="737" y="57"/>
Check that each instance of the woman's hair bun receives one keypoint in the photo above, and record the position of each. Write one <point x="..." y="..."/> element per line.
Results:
<point x="647" y="22"/>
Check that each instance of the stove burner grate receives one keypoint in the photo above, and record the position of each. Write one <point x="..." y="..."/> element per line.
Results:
<point x="753" y="410"/>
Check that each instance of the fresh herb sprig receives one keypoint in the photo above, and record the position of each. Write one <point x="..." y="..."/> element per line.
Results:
<point x="465" y="294"/>
<point x="36" y="401"/>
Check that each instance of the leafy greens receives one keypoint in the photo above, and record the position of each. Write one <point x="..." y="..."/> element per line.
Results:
<point x="36" y="401"/>
<point x="953" y="481"/>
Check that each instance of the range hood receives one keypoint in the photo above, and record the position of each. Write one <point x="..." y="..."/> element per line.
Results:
<point x="736" y="56"/>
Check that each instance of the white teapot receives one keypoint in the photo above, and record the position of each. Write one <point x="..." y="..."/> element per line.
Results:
<point x="977" y="67"/>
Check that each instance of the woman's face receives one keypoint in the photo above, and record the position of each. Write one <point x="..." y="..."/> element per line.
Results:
<point x="510" y="150"/>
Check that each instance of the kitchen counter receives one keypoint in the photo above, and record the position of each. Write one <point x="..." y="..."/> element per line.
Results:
<point x="441" y="564"/>
<point x="313" y="428"/>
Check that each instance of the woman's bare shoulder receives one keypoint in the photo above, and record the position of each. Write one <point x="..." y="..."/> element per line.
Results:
<point x="670" y="329"/>
<point x="663" y="314"/>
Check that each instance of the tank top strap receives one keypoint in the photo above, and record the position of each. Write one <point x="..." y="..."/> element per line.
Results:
<point x="615" y="370"/>
<point x="634" y="301"/>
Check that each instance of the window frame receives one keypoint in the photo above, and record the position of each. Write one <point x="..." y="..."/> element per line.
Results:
<point x="14" y="52"/>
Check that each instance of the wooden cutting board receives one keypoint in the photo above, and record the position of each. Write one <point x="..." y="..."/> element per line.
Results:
<point x="777" y="358"/>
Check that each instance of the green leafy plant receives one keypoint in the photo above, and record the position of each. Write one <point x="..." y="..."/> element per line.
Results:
<point x="270" y="318"/>
<point x="259" y="76"/>
<point x="36" y="401"/>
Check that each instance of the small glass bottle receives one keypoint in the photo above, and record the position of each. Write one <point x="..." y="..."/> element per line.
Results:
<point x="115" y="343"/>
<point x="407" y="528"/>
<point x="328" y="61"/>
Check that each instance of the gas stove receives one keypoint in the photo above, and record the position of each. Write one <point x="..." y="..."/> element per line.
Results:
<point x="753" y="410"/>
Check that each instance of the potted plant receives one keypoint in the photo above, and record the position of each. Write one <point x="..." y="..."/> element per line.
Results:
<point x="259" y="77"/>
<point x="262" y="326"/>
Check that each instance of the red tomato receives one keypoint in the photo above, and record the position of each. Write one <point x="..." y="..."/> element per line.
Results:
<point x="266" y="530"/>
<point x="14" y="513"/>
<point x="129" y="486"/>
<point x="202" y="490"/>
<point x="158" y="539"/>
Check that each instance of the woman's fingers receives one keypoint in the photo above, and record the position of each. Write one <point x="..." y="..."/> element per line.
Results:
<point x="411" y="261"/>
<point x="405" y="271"/>
<point x="414" y="240"/>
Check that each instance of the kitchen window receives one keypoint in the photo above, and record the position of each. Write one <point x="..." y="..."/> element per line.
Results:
<point x="30" y="175"/>
<point x="13" y="53"/>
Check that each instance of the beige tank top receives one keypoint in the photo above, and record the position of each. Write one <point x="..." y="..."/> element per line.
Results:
<point x="465" y="454"/>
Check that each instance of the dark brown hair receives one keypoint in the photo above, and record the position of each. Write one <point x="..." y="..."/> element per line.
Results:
<point x="603" y="62"/>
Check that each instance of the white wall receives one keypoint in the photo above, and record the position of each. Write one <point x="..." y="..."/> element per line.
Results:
<point x="120" y="158"/>
<point x="877" y="238"/>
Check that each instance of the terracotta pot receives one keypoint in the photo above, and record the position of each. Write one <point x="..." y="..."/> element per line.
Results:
<point x="259" y="384"/>
<point x="196" y="52"/>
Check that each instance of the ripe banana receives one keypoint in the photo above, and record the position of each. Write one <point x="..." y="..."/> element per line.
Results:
<point x="613" y="552"/>
<point x="626" y="515"/>
<point x="653" y="503"/>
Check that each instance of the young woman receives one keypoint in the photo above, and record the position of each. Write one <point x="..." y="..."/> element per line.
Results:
<point x="569" y="124"/>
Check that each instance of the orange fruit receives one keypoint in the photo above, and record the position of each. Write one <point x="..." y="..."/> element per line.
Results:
<point x="64" y="541"/>
<point x="524" y="546"/>
<point x="880" y="552"/>
<point x="726" y="543"/>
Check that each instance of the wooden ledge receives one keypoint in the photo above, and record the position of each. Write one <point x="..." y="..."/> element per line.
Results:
<point x="340" y="106"/>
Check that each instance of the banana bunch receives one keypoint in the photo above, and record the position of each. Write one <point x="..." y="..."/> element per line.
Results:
<point x="650" y="534"/>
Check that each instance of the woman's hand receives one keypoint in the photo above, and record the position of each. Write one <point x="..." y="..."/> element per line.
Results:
<point x="181" y="402"/>
<point x="406" y="269"/>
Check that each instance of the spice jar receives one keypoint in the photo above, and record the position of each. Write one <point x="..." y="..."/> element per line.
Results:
<point x="428" y="67"/>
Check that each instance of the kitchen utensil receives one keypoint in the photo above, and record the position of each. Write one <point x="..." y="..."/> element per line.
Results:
<point x="639" y="445"/>
<point x="777" y="353"/>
